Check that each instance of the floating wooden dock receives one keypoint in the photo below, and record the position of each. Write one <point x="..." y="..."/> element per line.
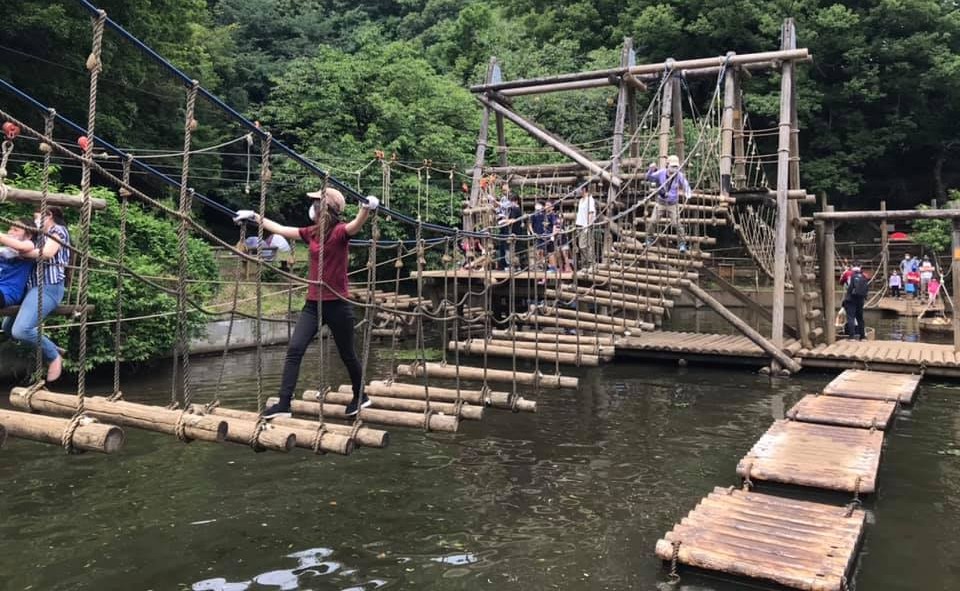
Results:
<point x="830" y="441"/>
<point x="874" y="385"/>
<point x="843" y="412"/>
<point x="820" y="456"/>
<point x="799" y="544"/>
<point x="905" y="306"/>
<point x="697" y="346"/>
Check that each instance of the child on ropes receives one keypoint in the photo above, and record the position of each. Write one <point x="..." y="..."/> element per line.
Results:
<point x="15" y="269"/>
<point x="53" y="247"/>
<point x="933" y="290"/>
<point x="328" y="298"/>
<point x="669" y="183"/>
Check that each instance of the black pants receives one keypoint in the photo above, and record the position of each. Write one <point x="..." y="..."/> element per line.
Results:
<point x="3" y="301"/>
<point x="853" y="306"/>
<point x="338" y="316"/>
<point x="895" y="291"/>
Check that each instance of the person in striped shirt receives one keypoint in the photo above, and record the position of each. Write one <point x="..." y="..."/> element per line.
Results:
<point x="53" y="252"/>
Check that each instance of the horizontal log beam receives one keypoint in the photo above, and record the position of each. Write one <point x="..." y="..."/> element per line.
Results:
<point x="344" y="394"/>
<point x="413" y="420"/>
<point x="53" y="199"/>
<point x="489" y="398"/>
<point x="685" y="65"/>
<point x="89" y="435"/>
<point x="364" y="436"/>
<point x="438" y="370"/>
<point x="480" y="347"/>
<point x="888" y="215"/>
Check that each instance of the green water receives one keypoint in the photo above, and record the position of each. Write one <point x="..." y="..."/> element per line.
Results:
<point x="573" y="497"/>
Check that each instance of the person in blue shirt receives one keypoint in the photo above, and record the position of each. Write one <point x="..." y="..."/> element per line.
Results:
<point x="15" y="270"/>
<point x="670" y="182"/>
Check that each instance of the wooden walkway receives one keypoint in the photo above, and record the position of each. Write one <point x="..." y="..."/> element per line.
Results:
<point x="799" y="544"/>
<point x="908" y="306"/>
<point x="832" y="442"/>
<point x="887" y="356"/>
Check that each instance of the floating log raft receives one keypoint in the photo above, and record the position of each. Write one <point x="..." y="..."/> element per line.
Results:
<point x="413" y="420"/>
<point x="128" y="414"/>
<point x="874" y="385"/>
<point x="90" y="435"/>
<point x="437" y="370"/>
<point x="549" y="337"/>
<point x="800" y="544"/>
<point x="344" y="394"/>
<point x="364" y="436"/>
<point x="489" y="398"/>
<point x="483" y="347"/>
<point x="844" y="412"/>
<point x="821" y="456"/>
<point x="303" y="433"/>
<point x="548" y="345"/>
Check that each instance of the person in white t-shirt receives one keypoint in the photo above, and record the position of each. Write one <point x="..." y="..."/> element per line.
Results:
<point x="926" y="274"/>
<point x="282" y="252"/>
<point x="586" y="216"/>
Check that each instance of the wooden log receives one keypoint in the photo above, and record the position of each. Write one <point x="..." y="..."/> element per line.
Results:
<point x="480" y="347"/>
<point x="703" y="240"/>
<point x="659" y="260"/>
<point x="344" y="394"/>
<point x="622" y="296"/>
<point x="240" y="429"/>
<point x="90" y="435"/>
<point x="128" y="414"/>
<point x="890" y="215"/>
<point x="304" y="432"/>
<point x="584" y="347"/>
<point x="748" y="331"/>
<point x="611" y="279"/>
<point x="53" y="199"/>
<point x="589" y="321"/>
<point x="489" y="398"/>
<point x="545" y="88"/>
<point x="491" y="375"/>
<point x="413" y="420"/>
<point x="364" y="436"/>
<point x="550" y="140"/>
<point x="547" y="337"/>
<point x="3" y="435"/>
<point x="546" y="319"/>
<point x="615" y="300"/>
<point x="649" y="271"/>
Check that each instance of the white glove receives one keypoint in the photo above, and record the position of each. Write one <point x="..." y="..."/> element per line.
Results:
<point x="372" y="203"/>
<point x="245" y="214"/>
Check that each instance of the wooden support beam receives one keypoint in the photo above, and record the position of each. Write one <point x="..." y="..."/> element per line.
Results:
<point x="692" y="64"/>
<point x="955" y="269"/>
<point x="828" y="274"/>
<point x="585" y="346"/>
<point x="469" y="224"/>
<point x="726" y="131"/>
<point x="121" y="412"/>
<point x="344" y="394"/>
<point x="666" y="109"/>
<point x="53" y="199"/>
<point x="769" y="347"/>
<point x="783" y="212"/>
<point x="90" y="435"/>
<point x="744" y="298"/>
<point x="618" y="124"/>
<point x="891" y="215"/>
<point x="561" y="86"/>
<point x="677" y="109"/>
<point x="739" y="148"/>
<point x="553" y="337"/>
<point x="550" y="140"/>
<point x="589" y="321"/>
<point x="437" y="370"/>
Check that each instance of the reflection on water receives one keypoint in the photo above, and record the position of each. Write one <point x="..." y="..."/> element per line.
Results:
<point x="573" y="497"/>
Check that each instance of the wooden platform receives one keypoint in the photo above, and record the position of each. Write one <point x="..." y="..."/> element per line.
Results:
<point x="874" y="385"/>
<point x="799" y="544"/>
<point x="821" y="456"/>
<point x="696" y="346"/>
<point x="843" y="412"/>
<point x="908" y="306"/>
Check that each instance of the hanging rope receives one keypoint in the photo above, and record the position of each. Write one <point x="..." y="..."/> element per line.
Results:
<point x="265" y="176"/>
<point x="121" y="254"/>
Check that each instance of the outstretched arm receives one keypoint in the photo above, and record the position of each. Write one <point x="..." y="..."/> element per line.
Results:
<point x="356" y="224"/>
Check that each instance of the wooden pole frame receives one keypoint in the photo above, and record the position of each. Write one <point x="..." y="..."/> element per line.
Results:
<point x="666" y="111"/>
<point x="828" y="275"/>
<point x="783" y="211"/>
<point x="726" y="131"/>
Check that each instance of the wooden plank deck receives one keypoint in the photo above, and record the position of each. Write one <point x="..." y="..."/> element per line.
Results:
<point x="682" y="344"/>
<point x="800" y="544"/>
<point x="908" y="306"/>
<point x="874" y="385"/>
<point x="844" y="412"/>
<point x="821" y="456"/>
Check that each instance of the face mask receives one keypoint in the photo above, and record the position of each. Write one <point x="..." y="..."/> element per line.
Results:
<point x="538" y="207"/>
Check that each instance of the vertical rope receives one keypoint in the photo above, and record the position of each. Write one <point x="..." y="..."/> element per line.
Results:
<point x="421" y="345"/>
<point x="265" y="176"/>
<point x="185" y="205"/>
<point x="321" y="213"/>
<point x="121" y="255"/>
<point x="42" y="264"/>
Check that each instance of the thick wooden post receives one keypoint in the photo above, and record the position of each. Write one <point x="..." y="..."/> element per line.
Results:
<point x="619" y="121"/>
<point x="884" y="244"/>
<point x="468" y="218"/>
<point x="783" y="205"/>
<point x="726" y="132"/>
<point x="955" y="268"/>
<point x="666" y="107"/>
<point x="828" y="275"/>
<point x="739" y="145"/>
<point x="677" y="108"/>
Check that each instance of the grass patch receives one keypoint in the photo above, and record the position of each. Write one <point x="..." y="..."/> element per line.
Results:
<point x="414" y="355"/>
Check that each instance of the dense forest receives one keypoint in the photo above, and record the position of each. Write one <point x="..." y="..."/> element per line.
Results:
<point x="879" y="105"/>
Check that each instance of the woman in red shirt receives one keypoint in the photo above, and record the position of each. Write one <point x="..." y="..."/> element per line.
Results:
<point x="329" y="288"/>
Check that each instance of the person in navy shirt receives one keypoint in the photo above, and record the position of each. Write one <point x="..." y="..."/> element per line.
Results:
<point x="15" y="270"/>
